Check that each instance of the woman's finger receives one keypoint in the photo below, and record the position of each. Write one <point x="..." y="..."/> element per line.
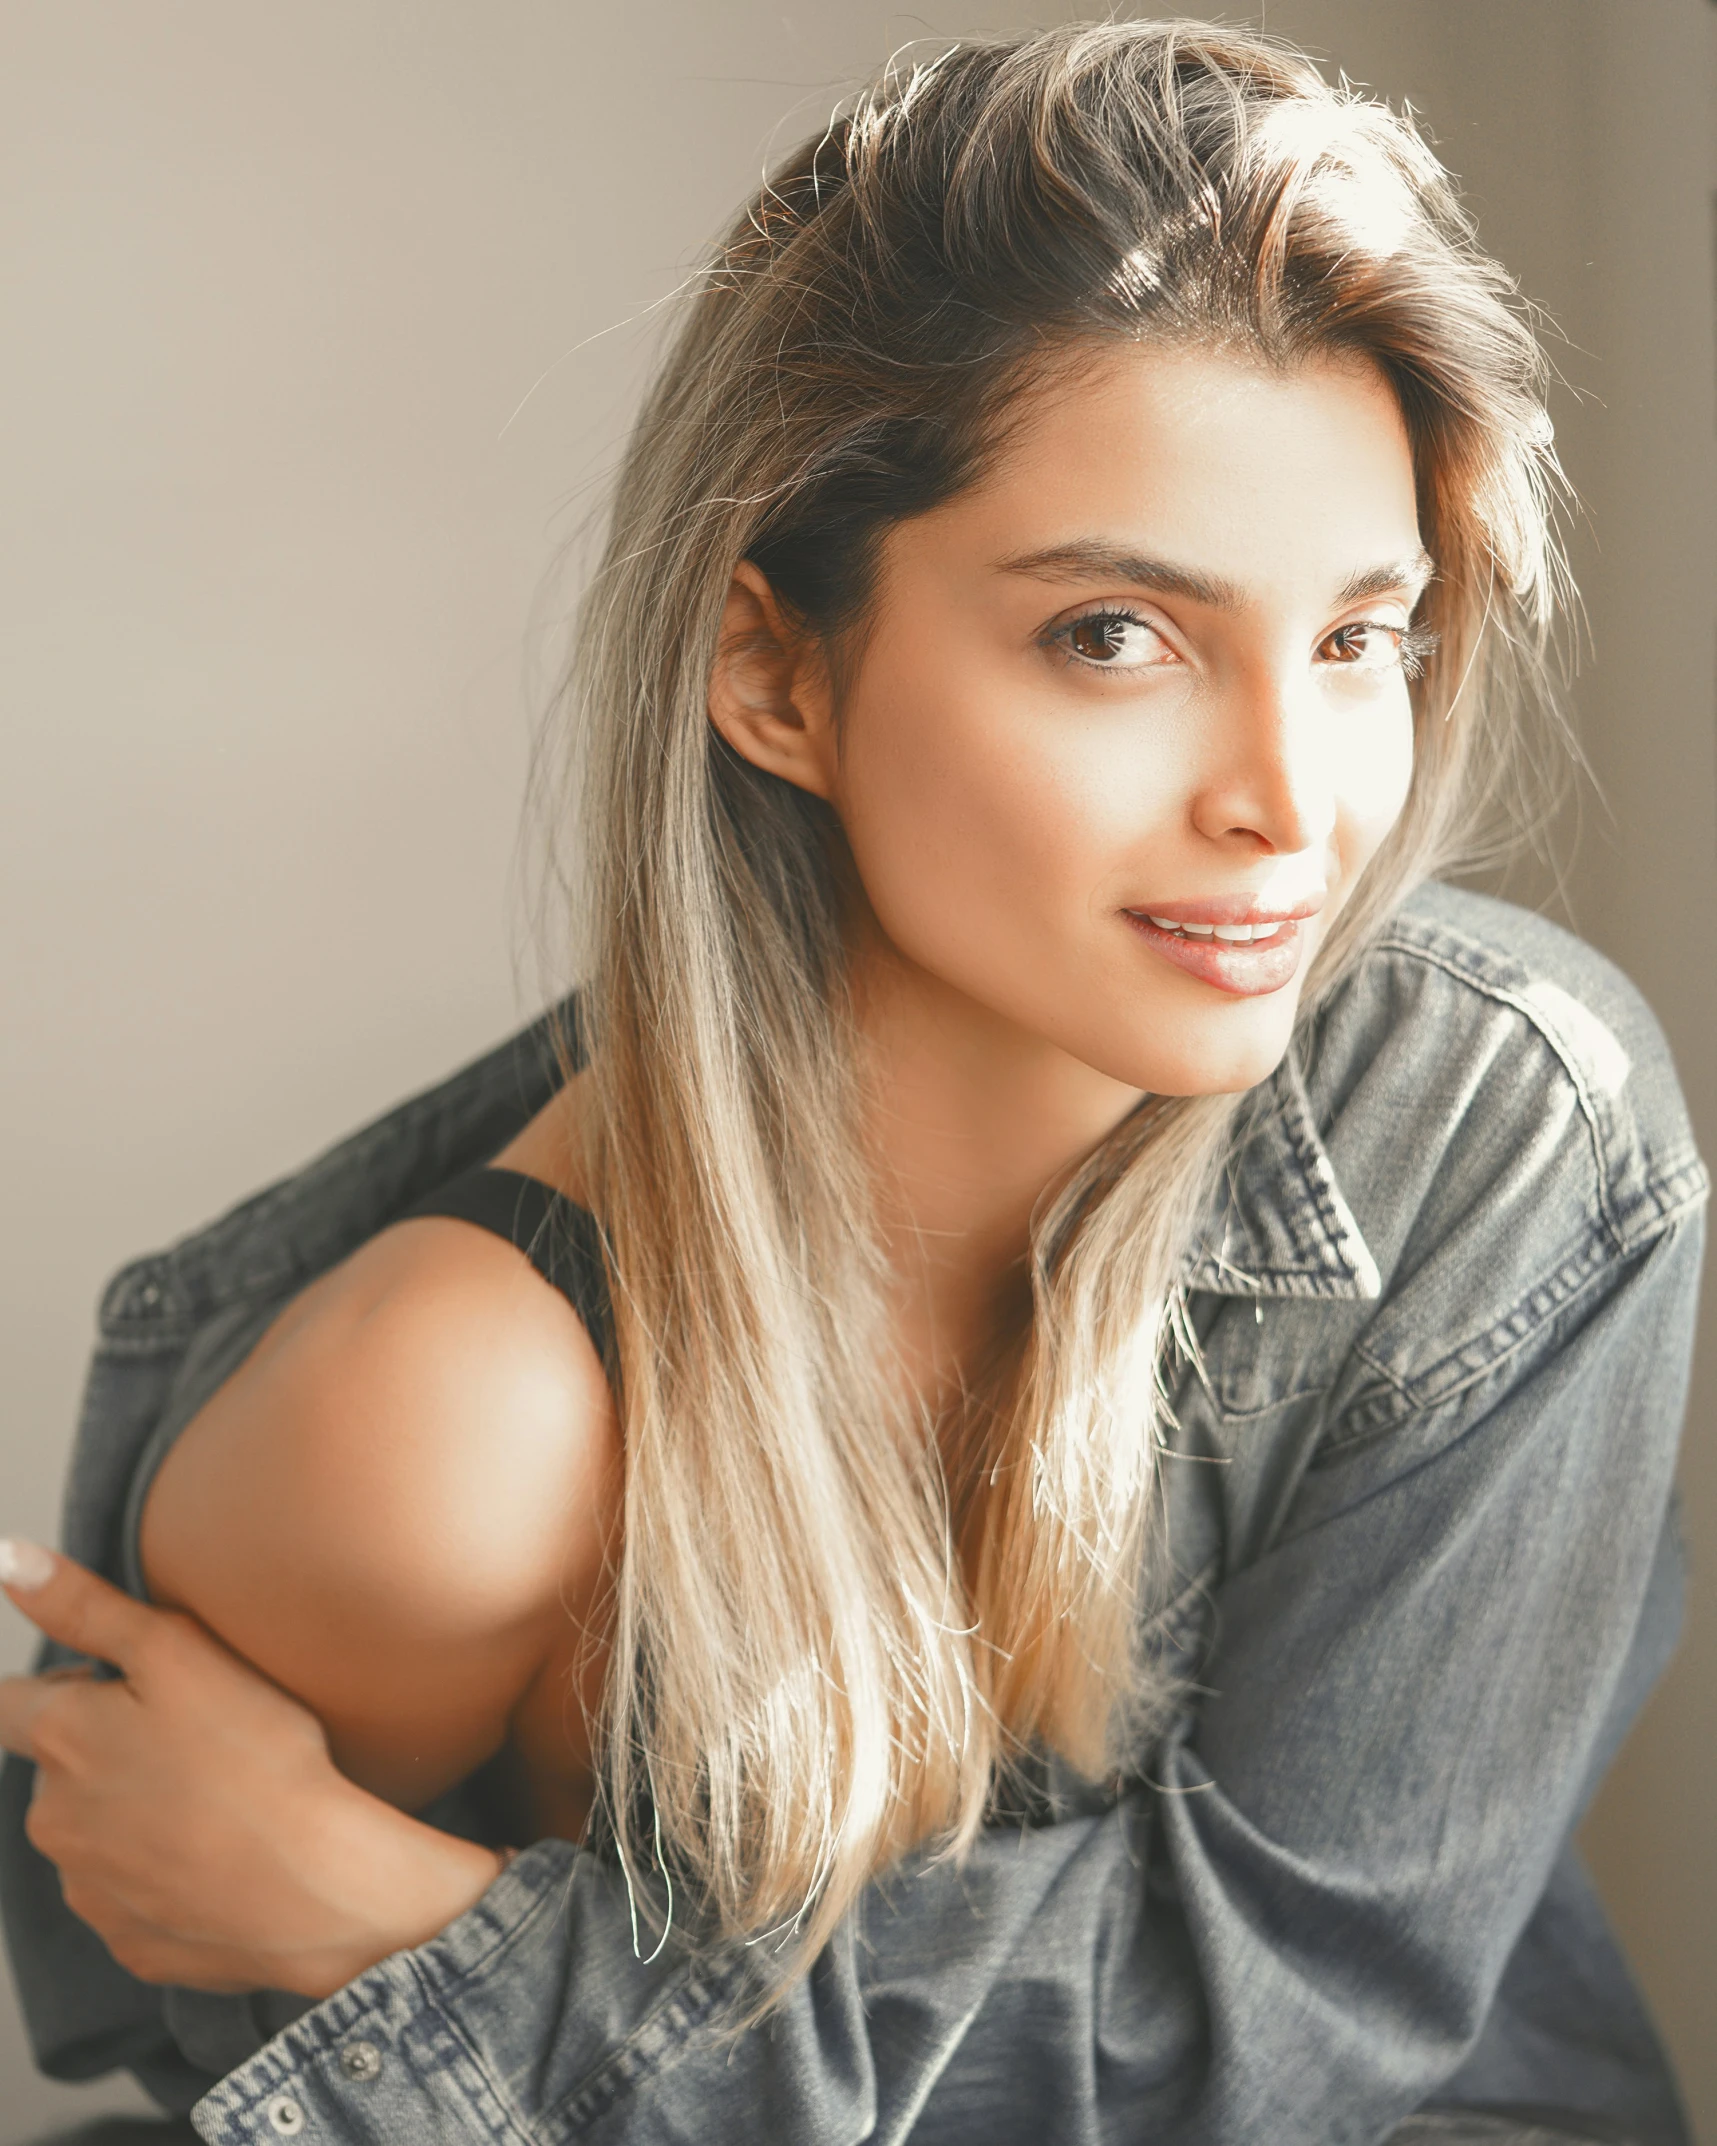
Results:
<point x="69" y="1603"/>
<point x="21" y="1701"/>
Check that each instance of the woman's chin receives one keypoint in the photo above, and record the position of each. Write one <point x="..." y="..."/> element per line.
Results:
<point x="1194" y="1058"/>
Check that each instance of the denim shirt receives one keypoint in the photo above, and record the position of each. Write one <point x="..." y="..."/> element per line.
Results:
<point x="1421" y="1573"/>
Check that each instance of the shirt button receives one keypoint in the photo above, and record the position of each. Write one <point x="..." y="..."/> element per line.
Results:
<point x="361" y="2061"/>
<point x="286" y="2116"/>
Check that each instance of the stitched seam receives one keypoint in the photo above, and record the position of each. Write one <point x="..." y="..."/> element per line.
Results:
<point x="1299" y="1136"/>
<point x="680" y="2008"/>
<point x="1677" y="1193"/>
<point x="1386" y="1372"/>
<point x="1186" y="1607"/>
<point x="662" y="2031"/>
<point x="1477" y="1358"/>
<point x="1657" y="1183"/>
<point x="446" y="1984"/>
<point x="164" y="1340"/>
<point x="1269" y="1407"/>
<point x="1339" y="1259"/>
<point x="436" y="2035"/>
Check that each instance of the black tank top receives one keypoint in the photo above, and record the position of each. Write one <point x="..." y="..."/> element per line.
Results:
<point x="562" y="1240"/>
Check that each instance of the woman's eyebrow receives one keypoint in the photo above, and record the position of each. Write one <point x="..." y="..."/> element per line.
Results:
<point x="1403" y="577"/>
<point x="1091" y="560"/>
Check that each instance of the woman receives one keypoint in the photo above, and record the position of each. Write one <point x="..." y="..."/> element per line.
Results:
<point x="1096" y="1466"/>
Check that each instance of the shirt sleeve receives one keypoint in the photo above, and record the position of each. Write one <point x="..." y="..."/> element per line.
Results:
<point x="1293" y="1930"/>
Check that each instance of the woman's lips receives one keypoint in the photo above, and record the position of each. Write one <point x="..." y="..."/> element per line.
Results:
<point x="1244" y="969"/>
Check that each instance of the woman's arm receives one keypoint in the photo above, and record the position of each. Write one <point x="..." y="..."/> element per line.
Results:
<point x="197" y="1821"/>
<point x="398" y="1508"/>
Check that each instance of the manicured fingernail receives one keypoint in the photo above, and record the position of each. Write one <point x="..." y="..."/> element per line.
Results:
<point x="24" y="1564"/>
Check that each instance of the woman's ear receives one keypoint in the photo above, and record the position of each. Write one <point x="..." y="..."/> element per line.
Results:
<point x="769" y="693"/>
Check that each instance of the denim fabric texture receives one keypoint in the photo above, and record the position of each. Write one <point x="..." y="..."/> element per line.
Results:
<point x="1422" y="1572"/>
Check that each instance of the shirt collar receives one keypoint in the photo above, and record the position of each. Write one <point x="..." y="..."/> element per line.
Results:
<point x="1280" y="1226"/>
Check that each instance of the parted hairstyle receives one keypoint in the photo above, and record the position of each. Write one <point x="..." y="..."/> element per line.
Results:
<point x="808" y="1676"/>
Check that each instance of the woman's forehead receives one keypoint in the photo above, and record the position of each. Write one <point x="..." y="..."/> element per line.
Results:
<point x="1196" y="472"/>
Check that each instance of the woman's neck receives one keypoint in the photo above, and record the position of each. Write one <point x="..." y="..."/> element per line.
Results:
<point x="970" y="1120"/>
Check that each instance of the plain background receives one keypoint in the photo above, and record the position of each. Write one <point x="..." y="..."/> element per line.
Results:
<point x="322" y="321"/>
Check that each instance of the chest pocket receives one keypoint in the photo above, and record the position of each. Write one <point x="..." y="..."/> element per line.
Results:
<point x="1263" y="1352"/>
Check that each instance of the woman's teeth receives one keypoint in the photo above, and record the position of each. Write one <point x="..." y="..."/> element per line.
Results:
<point x="1239" y="933"/>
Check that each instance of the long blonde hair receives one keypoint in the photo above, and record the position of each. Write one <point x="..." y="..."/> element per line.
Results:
<point x="806" y="1678"/>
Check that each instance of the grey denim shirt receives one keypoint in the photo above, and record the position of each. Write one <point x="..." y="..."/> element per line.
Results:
<point x="1421" y="1574"/>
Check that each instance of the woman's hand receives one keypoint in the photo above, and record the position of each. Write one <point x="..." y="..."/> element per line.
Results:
<point x="196" y="1818"/>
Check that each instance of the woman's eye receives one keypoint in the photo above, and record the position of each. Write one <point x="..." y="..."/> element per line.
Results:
<point x="1370" y="644"/>
<point x="1112" y="641"/>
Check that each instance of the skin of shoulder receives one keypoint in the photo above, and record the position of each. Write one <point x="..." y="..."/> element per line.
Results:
<point x="402" y="1507"/>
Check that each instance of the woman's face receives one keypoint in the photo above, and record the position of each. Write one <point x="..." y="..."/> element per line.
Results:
<point x="1132" y="713"/>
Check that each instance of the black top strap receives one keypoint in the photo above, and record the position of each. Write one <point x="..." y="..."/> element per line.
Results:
<point x="562" y="1240"/>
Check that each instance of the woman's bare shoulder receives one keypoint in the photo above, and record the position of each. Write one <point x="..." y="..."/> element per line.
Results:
<point x="397" y="1502"/>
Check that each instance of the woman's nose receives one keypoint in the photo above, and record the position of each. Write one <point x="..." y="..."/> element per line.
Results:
<point x="1271" y="779"/>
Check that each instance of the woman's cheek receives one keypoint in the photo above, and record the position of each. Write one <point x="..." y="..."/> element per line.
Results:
<point x="1379" y="763"/>
<point x="936" y="845"/>
<point x="974" y="835"/>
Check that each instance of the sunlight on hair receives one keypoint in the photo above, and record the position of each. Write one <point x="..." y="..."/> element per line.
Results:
<point x="1347" y="175"/>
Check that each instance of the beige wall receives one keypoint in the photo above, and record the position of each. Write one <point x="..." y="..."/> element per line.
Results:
<point x="278" y="280"/>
